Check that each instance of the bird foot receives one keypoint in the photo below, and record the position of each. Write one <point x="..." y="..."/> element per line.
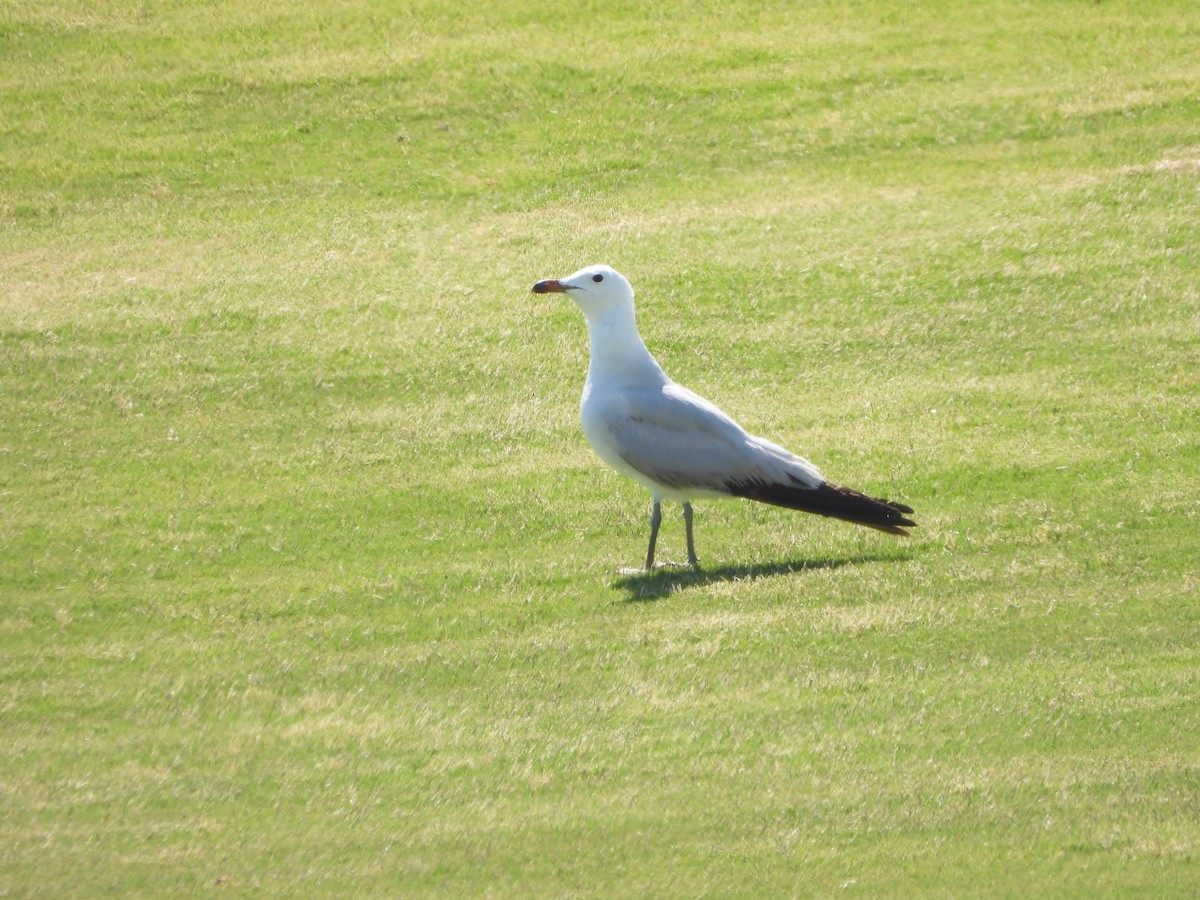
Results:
<point x="658" y="566"/>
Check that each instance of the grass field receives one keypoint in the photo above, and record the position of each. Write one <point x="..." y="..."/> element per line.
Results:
<point x="308" y="579"/>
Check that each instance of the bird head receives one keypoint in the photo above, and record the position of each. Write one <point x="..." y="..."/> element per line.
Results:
<point x="595" y="289"/>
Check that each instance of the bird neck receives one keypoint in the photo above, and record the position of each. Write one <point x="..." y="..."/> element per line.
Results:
<point x="617" y="350"/>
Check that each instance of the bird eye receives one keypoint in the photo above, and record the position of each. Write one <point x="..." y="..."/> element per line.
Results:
<point x="597" y="278"/>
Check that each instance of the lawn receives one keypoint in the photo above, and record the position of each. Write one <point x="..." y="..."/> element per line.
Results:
<point x="310" y="585"/>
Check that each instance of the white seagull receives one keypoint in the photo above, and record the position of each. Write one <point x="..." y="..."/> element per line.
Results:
<point x="676" y="443"/>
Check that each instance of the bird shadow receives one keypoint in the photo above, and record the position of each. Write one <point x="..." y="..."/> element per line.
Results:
<point x="661" y="582"/>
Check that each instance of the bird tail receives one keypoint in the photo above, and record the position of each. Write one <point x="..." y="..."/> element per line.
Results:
<point x="830" y="500"/>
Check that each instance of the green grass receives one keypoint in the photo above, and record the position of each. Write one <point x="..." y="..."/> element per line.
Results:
<point x="308" y="580"/>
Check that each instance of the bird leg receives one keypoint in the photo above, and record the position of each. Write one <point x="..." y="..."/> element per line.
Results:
<point x="687" y="524"/>
<point x="655" y="521"/>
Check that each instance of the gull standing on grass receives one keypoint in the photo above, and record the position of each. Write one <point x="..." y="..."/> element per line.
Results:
<point x="676" y="443"/>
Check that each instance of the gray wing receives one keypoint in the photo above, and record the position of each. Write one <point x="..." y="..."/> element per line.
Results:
<point x="680" y="440"/>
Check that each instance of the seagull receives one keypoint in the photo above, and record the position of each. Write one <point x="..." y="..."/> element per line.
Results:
<point x="675" y="443"/>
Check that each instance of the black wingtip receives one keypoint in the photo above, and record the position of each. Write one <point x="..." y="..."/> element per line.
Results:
<point x="833" y="501"/>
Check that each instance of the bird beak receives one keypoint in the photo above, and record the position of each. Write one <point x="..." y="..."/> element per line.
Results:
<point x="551" y="286"/>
